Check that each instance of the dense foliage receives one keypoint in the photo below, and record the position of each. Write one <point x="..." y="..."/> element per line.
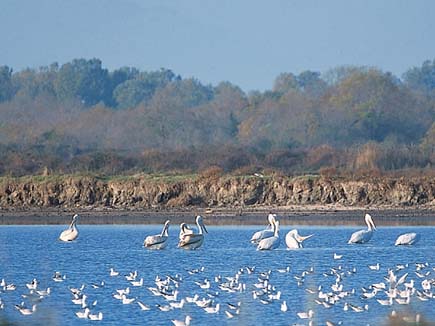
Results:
<point x="82" y="117"/>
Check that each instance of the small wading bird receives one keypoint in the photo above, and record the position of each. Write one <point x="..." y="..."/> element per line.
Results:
<point x="266" y="233"/>
<point x="158" y="241"/>
<point x="294" y="240"/>
<point x="363" y="236"/>
<point x="193" y="240"/>
<point x="71" y="233"/>
<point x="407" y="239"/>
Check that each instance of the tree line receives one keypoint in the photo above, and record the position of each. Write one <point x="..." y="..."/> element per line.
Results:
<point x="81" y="117"/>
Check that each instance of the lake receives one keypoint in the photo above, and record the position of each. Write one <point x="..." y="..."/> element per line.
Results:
<point x="29" y="252"/>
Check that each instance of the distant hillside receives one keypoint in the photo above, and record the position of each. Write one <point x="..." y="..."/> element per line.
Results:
<point x="81" y="117"/>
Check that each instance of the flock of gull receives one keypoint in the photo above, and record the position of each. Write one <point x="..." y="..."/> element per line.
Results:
<point x="397" y="288"/>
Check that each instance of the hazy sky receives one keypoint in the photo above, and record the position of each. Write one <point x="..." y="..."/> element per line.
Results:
<point x="246" y="42"/>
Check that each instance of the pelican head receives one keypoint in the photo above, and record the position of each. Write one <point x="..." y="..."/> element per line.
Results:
<point x="276" y="230"/>
<point x="165" y="228"/>
<point x="369" y="221"/>
<point x="271" y="218"/>
<point x="200" y="223"/>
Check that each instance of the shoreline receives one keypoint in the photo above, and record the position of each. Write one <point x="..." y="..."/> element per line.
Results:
<point x="292" y="215"/>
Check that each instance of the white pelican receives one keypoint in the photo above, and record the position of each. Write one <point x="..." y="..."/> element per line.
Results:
<point x="294" y="240"/>
<point x="272" y="242"/>
<point x="364" y="236"/>
<point x="158" y="241"/>
<point x="71" y="233"/>
<point x="184" y="229"/>
<point x="266" y="233"/>
<point x="193" y="240"/>
<point x="407" y="239"/>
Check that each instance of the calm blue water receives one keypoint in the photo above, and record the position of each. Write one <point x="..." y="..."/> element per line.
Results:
<point x="29" y="252"/>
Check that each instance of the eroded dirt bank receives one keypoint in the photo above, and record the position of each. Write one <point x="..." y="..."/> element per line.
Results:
<point x="229" y="192"/>
<point x="218" y="192"/>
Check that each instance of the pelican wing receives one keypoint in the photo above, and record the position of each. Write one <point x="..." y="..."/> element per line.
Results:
<point x="69" y="234"/>
<point x="269" y="243"/>
<point x="153" y="240"/>
<point x="361" y="236"/>
<point x="190" y="239"/>
<point x="407" y="239"/>
<point x="291" y="242"/>
<point x="260" y="235"/>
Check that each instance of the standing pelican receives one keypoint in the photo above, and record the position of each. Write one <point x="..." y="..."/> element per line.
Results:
<point x="364" y="236"/>
<point x="407" y="239"/>
<point x="294" y="240"/>
<point x="71" y="233"/>
<point x="266" y="233"/>
<point x="193" y="240"/>
<point x="158" y="241"/>
<point x="271" y="242"/>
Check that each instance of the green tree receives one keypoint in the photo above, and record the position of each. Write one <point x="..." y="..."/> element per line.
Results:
<point x="422" y="78"/>
<point x="6" y="88"/>
<point x="142" y="88"/>
<point x="83" y="80"/>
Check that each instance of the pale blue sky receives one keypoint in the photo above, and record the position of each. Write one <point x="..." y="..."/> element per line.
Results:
<point x="246" y="42"/>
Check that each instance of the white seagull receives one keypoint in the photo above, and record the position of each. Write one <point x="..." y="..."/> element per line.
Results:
<point x="193" y="240"/>
<point x="266" y="233"/>
<point x="272" y="242"/>
<point x="186" y="322"/>
<point x="294" y="240"/>
<point x="363" y="236"/>
<point x="71" y="233"/>
<point x="407" y="239"/>
<point x="158" y="241"/>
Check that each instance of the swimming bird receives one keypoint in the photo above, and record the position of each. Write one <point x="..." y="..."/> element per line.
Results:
<point x="184" y="229"/>
<point x="266" y="233"/>
<point x="186" y="322"/>
<point x="294" y="240"/>
<point x="25" y="311"/>
<point x="32" y="285"/>
<point x="193" y="240"/>
<point x="284" y="306"/>
<point x="407" y="239"/>
<point x="272" y="242"/>
<point x="83" y="314"/>
<point x="113" y="272"/>
<point x="98" y="316"/>
<point x="71" y="233"/>
<point x="364" y="236"/>
<point x="143" y="306"/>
<point x="158" y="241"/>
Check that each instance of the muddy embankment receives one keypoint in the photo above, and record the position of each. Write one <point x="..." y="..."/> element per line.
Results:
<point x="224" y="192"/>
<point x="69" y="192"/>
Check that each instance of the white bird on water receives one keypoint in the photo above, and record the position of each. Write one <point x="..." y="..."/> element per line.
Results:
<point x="185" y="322"/>
<point x="272" y="242"/>
<point x="71" y="233"/>
<point x="363" y="236"/>
<point x="407" y="239"/>
<point x="266" y="233"/>
<point x="193" y="240"/>
<point x="158" y="241"/>
<point x="294" y="240"/>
